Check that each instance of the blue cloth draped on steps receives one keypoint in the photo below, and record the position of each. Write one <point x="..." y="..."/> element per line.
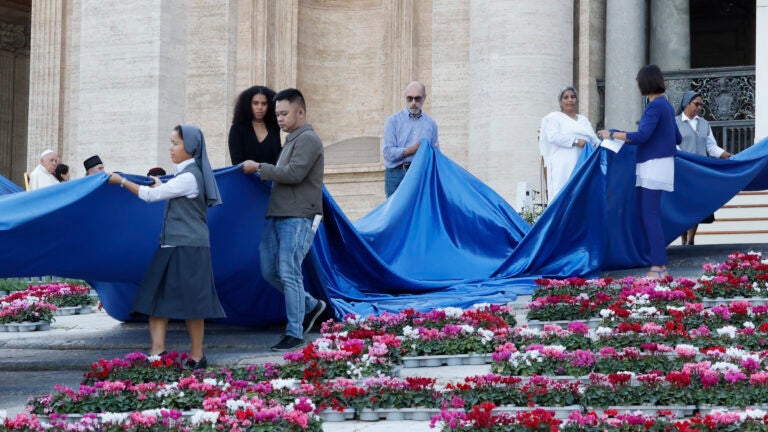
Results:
<point x="443" y="239"/>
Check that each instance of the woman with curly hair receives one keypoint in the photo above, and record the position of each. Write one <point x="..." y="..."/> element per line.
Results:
<point x="254" y="134"/>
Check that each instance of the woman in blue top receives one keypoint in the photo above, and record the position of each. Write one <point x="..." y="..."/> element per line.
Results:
<point x="656" y="139"/>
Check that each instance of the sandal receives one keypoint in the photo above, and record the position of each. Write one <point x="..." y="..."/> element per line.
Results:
<point x="657" y="274"/>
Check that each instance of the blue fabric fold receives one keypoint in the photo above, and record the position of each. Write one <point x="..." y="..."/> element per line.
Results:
<point x="443" y="239"/>
<point x="8" y="187"/>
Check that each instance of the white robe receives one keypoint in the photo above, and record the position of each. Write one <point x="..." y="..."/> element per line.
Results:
<point x="558" y="131"/>
<point x="40" y="178"/>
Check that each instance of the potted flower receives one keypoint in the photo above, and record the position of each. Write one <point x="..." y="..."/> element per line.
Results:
<point x="542" y="360"/>
<point x="30" y="311"/>
<point x="612" y="420"/>
<point x="136" y="367"/>
<point x="653" y="389"/>
<point x="482" y="418"/>
<point x="340" y="355"/>
<point x="575" y="336"/>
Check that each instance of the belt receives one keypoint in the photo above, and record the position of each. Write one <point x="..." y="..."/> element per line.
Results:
<point x="403" y="166"/>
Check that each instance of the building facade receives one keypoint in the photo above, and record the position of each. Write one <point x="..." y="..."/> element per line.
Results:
<point x="112" y="78"/>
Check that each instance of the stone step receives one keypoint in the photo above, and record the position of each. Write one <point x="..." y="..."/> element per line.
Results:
<point x="742" y="219"/>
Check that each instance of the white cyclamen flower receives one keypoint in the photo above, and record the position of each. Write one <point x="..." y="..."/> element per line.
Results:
<point x="283" y="384"/>
<point x="410" y="333"/>
<point x="605" y="313"/>
<point x="603" y="331"/>
<point x="201" y="416"/>
<point x="453" y="312"/>
<point x="728" y="330"/>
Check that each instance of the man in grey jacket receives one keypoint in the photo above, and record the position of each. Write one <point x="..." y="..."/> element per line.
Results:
<point x="293" y="212"/>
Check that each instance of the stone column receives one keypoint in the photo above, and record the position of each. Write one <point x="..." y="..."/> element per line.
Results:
<point x="450" y="76"/>
<point x="670" y="34"/>
<point x="283" y="51"/>
<point x="625" y="44"/>
<point x="131" y="85"/>
<point x="211" y="72"/>
<point x="252" y="40"/>
<point x="7" y="77"/>
<point x="761" y="70"/>
<point x="44" y="80"/>
<point x="591" y="57"/>
<point x="521" y="54"/>
<point x="399" y="30"/>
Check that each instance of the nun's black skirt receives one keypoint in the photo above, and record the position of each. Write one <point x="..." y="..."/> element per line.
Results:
<point x="179" y="285"/>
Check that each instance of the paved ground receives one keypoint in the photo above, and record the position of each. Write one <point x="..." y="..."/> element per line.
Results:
<point x="31" y="363"/>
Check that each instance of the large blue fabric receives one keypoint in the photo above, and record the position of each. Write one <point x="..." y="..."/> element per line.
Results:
<point x="7" y="186"/>
<point x="443" y="239"/>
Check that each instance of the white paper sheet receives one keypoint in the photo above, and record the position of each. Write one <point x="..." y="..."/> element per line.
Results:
<point x="613" y="145"/>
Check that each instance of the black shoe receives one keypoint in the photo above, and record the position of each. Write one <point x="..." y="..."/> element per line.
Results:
<point x="200" y="364"/>
<point x="288" y="343"/>
<point x="313" y="315"/>
<point x="159" y="355"/>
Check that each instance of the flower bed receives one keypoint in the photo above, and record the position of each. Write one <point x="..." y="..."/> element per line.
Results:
<point x="658" y="345"/>
<point x="741" y="275"/>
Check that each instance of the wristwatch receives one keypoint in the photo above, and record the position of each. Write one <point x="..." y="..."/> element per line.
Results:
<point x="576" y="141"/>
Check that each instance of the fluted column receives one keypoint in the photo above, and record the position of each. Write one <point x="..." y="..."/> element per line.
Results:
<point x="521" y="54"/>
<point x="624" y="55"/>
<point x="211" y="72"/>
<point x="591" y="57"/>
<point x="7" y="77"/>
<point x="450" y="76"/>
<point x="44" y="79"/>
<point x="761" y="70"/>
<point x="399" y="29"/>
<point x="252" y="38"/>
<point x="284" y="49"/>
<point x="670" y="34"/>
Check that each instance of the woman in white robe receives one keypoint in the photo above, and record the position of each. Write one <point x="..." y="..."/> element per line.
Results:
<point x="562" y="138"/>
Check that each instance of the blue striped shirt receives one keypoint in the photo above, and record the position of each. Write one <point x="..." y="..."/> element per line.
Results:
<point x="401" y="131"/>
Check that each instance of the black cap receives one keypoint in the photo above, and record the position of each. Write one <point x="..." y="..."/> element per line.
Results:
<point x="92" y="162"/>
<point x="156" y="171"/>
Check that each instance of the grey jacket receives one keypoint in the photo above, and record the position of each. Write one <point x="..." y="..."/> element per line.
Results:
<point x="297" y="188"/>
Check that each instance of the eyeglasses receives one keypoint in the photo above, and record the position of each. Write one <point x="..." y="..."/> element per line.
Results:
<point x="414" y="98"/>
<point x="698" y="104"/>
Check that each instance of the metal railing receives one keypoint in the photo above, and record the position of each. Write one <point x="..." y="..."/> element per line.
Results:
<point x="728" y="94"/>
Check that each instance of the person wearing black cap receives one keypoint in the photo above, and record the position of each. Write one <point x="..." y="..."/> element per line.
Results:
<point x="93" y="165"/>
<point x="156" y="172"/>
<point x="697" y="138"/>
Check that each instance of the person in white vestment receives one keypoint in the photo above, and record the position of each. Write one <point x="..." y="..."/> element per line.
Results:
<point x="42" y="176"/>
<point x="562" y="138"/>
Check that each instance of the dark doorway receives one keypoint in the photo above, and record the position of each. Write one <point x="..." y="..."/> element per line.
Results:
<point x="15" y="27"/>
<point x="722" y="33"/>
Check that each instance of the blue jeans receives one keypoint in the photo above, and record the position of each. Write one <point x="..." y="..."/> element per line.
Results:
<point x="284" y="244"/>
<point x="392" y="179"/>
